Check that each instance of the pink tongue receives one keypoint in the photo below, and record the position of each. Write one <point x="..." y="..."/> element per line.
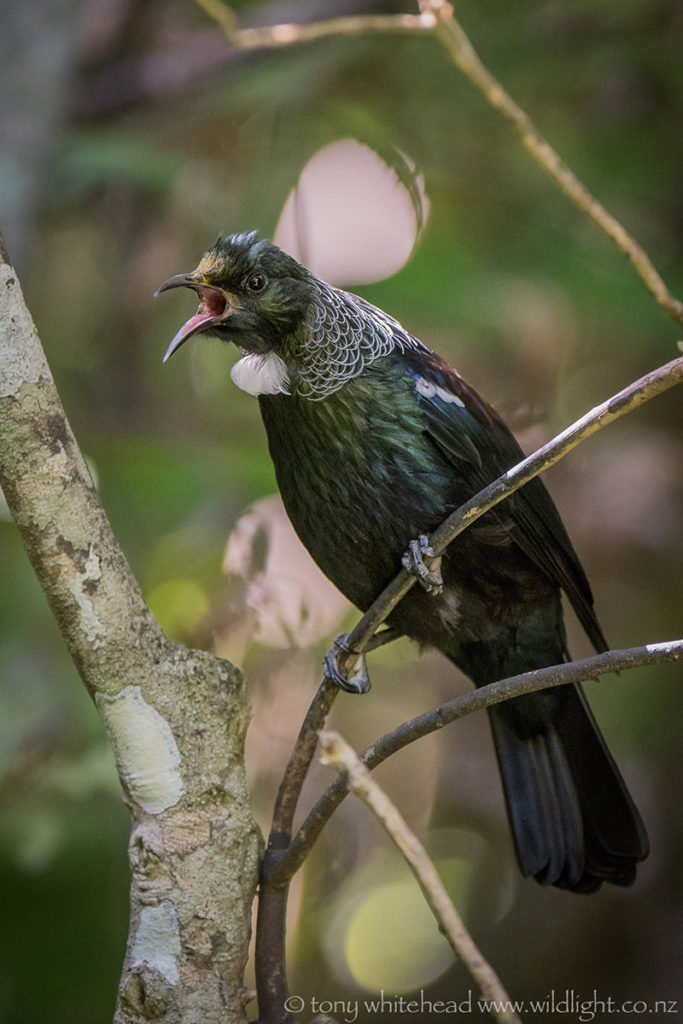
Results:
<point x="189" y="328"/>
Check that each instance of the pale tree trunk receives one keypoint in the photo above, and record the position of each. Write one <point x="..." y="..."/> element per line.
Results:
<point x="176" y="717"/>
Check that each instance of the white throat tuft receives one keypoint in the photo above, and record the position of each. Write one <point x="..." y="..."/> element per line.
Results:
<point x="261" y="374"/>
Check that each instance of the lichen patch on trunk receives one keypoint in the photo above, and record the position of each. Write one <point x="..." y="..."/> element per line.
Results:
<point x="145" y="749"/>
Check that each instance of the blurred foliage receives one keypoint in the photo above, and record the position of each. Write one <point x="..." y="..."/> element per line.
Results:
<point x="155" y="138"/>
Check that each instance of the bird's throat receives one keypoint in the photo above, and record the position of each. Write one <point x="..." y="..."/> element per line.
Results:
<point x="261" y="374"/>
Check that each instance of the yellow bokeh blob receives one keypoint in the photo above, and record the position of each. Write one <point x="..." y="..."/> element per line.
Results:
<point x="391" y="939"/>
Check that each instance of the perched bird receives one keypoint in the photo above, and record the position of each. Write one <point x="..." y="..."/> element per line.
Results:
<point x="375" y="440"/>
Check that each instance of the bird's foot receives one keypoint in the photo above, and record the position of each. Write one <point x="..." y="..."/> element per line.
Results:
<point x="422" y="562"/>
<point x="359" y="680"/>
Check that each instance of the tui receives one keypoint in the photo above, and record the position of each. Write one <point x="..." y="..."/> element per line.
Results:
<point x="375" y="440"/>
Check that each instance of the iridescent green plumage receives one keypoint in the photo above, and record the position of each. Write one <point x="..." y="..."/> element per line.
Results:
<point x="374" y="441"/>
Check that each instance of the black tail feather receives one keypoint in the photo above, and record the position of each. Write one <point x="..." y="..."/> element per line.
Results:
<point x="573" y="819"/>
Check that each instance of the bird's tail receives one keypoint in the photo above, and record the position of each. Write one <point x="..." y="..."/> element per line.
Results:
<point x="572" y="817"/>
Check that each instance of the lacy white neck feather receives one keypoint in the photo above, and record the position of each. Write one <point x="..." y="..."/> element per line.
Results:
<point x="345" y="334"/>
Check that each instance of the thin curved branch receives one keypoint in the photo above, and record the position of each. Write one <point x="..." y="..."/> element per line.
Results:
<point x="450" y="711"/>
<point x="288" y="34"/>
<point x="437" y="18"/>
<point x="453" y="38"/>
<point x="269" y="959"/>
<point x="337" y="753"/>
<point x="636" y="394"/>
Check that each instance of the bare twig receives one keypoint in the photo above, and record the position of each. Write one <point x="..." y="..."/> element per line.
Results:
<point x="269" y="960"/>
<point x="337" y="753"/>
<point x="226" y="18"/>
<point x="636" y="394"/>
<point x="436" y="18"/>
<point x="453" y="38"/>
<point x="458" y="707"/>
<point x="288" y="33"/>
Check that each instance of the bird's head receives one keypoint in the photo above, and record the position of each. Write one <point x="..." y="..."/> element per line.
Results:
<point x="250" y="293"/>
<point x="297" y="334"/>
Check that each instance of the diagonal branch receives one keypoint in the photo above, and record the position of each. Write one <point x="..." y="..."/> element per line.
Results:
<point x="436" y="18"/>
<point x="337" y="753"/>
<point x="636" y="394"/>
<point x="452" y="710"/>
<point x="455" y="41"/>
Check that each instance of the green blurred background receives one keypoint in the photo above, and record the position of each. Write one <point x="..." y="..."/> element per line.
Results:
<point x="131" y="137"/>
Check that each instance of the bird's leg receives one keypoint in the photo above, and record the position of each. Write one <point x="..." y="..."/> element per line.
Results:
<point x="422" y="562"/>
<point x="336" y="671"/>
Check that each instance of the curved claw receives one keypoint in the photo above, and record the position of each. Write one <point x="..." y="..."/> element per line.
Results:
<point x="359" y="681"/>
<point x="427" y="575"/>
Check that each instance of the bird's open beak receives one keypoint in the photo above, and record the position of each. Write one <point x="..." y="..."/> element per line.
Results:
<point x="214" y="306"/>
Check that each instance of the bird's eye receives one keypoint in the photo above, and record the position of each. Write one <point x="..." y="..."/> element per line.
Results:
<point x="257" y="282"/>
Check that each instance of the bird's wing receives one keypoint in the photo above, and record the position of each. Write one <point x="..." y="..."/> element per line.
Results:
<point x="471" y="435"/>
